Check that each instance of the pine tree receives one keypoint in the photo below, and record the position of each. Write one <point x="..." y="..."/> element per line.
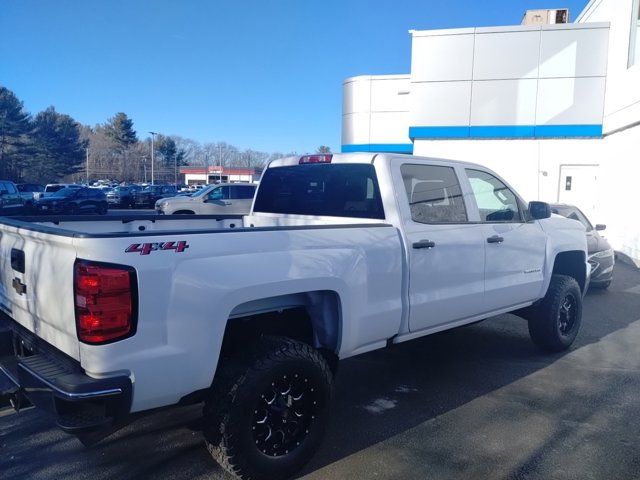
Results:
<point x="15" y="127"/>
<point x="120" y="130"/>
<point x="166" y="149"/>
<point x="60" y="149"/>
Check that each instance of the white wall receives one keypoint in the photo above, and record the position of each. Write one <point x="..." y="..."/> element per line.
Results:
<point x="622" y="102"/>
<point x="508" y="76"/>
<point x="375" y="110"/>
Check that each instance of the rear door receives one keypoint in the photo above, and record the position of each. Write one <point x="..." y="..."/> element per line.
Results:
<point x="84" y="202"/>
<point x="445" y="249"/>
<point x="514" y="248"/>
<point x="241" y="199"/>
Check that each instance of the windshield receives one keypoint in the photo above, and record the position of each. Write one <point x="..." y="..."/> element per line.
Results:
<point x="200" y="192"/>
<point x="65" y="192"/>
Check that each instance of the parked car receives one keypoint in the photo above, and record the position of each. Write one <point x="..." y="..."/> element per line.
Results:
<point x="29" y="192"/>
<point x="122" y="196"/>
<point x="73" y="201"/>
<point x="341" y="255"/>
<point x="11" y="202"/>
<point x="149" y="195"/>
<point x="601" y="255"/>
<point x="54" y="187"/>
<point x="222" y="199"/>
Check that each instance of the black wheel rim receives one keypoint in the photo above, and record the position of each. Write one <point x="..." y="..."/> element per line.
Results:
<point x="567" y="314"/>
<point x="285" y="414"/>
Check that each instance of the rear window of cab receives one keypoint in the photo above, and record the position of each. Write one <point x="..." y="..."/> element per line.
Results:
<point x="332" y="190"/>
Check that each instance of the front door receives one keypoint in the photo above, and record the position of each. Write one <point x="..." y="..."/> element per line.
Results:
<point x="445" y="250"/>
<point x="218" y="201"/>
<point x="514" y="248"/>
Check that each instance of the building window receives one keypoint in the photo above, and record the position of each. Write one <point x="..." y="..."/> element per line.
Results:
<point x="634" y="36"/>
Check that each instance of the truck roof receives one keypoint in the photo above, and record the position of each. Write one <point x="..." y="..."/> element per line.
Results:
<point x="365" y="157"/>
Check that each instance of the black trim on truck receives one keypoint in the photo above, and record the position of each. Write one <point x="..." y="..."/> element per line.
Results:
<point x="29" y="223"/>
<point x="55" y="382"/>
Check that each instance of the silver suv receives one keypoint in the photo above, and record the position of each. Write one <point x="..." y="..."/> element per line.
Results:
<point x="221" y="199"/>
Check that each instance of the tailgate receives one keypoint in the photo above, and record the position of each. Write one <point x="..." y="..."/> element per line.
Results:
<point x="36" y="284"/>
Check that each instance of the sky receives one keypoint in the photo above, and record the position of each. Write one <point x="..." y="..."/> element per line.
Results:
<point x="260" y="74"/>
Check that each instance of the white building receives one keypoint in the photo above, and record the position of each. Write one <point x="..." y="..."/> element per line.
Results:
<point x="553" y="108"/>
<point x="215" y="173"/>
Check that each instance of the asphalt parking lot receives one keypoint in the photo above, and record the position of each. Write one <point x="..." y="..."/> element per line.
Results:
<point x="473" y="403"/>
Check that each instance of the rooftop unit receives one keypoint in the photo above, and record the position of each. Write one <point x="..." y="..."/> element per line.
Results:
<point x="546" y="17"/>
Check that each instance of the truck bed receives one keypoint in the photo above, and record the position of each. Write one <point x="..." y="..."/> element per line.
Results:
<point x="86" y="226"/>
<point x="193" y="273"/>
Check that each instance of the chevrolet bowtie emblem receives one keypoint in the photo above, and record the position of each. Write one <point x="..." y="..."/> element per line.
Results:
<point x="19" y="287"/>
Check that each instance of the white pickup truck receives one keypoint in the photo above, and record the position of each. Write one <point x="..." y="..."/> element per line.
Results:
<point x="103" y="318"/>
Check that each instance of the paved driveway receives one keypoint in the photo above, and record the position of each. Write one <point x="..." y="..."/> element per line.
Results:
<point x="474" y="403"/>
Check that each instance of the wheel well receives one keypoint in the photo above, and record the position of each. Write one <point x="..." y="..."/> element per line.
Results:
<point x="311" y="317"/>
<point x="571" y="263"/>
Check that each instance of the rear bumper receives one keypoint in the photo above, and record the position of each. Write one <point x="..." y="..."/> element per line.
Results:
<point x="56" y="383"/>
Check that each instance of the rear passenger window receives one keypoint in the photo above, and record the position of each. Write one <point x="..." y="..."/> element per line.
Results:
<point x="434" y="194"/>
<point x="495" y="201"/>
<point x="242" y="193"/>
<point x="10" y="188"/>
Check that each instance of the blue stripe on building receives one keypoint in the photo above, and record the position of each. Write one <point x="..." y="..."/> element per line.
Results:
<point x="503" y="131"/>
<point x="438" y="132"/>
<point x="555" y="131"/>
<point x="507" y="131"/>
<point x="379" y="147"/>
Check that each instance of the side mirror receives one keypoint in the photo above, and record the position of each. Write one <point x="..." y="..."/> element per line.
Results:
<point x="539" y="210"/>
<point x="600" y="227"/>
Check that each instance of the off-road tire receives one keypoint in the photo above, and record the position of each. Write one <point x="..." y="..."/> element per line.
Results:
<point x="550" y="327"/>
<point x="233" y="404"/>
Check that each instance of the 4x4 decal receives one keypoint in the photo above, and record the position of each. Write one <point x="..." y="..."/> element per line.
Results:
<point x="147" y="248"/>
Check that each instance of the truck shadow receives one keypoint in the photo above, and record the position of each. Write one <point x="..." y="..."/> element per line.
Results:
<point x="378" y="396"/>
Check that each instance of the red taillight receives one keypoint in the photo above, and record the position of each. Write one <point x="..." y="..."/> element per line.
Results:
<point x="320" y="158"/>
<point x="104" y="301"/>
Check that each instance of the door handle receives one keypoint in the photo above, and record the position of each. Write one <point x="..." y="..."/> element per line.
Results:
<point x="495" y="239"/>
<point x="424" y="244"/>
